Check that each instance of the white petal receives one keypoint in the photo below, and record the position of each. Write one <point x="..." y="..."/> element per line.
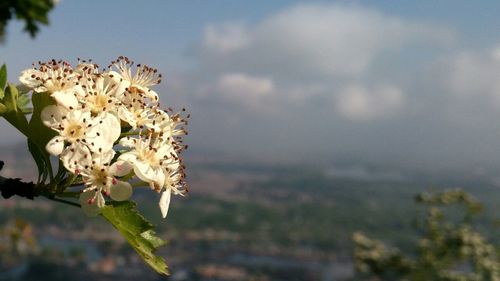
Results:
<point x="121" y="191"/>
<point x="90" y="210"/>
<point x="111" y="125"/>
<point x="120" y="168"/>
<point x="151" y="94"/>
<point x="104" y="157"/>
<point x="79" y="91"/>
<point x="105" y="133"/>
<point x="144" y="171"/>
<point x="165" y="202"/>
<point x="27" y="79"/>
<point x="52" y="115"/>
<point x="40" y="89"/>
<point x="75" y="157"/>
<point x="116" y="76"/>
<point x="160" y="178"/>
<point x="55" y="146"/>
<point x="128" y="142"/>
<point x="65" y="98"/>
<point x="127" y="116"/>
<point x="100" y="202"/>
<point x="121" y="86"/>
<point x="130" y="157"/>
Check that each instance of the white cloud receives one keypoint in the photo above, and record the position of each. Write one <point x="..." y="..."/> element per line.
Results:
<point x="244" y="86"/>
<point x="225" y="37"/>
<point x="474" y="73"/>
<point x="360" y="103"/>
<point x="311" y="40"/>
<point x="313" y="53"/>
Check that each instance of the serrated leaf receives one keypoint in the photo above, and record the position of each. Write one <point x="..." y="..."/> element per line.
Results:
<point x="3" y="76"/>
<point x="138" y="232"/>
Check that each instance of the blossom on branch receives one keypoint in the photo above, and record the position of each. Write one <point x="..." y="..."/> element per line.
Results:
<point x="111" y="134"/>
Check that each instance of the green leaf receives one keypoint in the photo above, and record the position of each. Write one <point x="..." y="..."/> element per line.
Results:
<point x="10" y="97"/>
<point x="39" y="134"/>
<point x="3" y="76"/>
<point x="11" y="112"/>
<point x="138" y="232"/>
<point x="23" y="101"/>
<point x="40" y="160"/>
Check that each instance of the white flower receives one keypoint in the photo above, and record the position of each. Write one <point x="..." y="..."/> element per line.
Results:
<point x="174" y="184"/>
<point x="79" y="126"/>
<point x="139" y="82"/>
<point x="99" y="178"/>
<point x="136" y="114"/>
<point x="149" y="157"/>
<point x="92" y="109"/>
<point x="56" y="78"/>
<point x="169" y="126"/>
<point x="99" y="94"/>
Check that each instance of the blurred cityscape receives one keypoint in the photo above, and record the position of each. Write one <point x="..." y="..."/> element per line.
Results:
<point x="241" y="221"/>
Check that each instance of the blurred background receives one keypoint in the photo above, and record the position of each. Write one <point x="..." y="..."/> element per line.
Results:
<point x="311" y="120"/>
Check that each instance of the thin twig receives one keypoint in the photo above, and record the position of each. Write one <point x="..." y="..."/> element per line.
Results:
<point x="64" y="201"/>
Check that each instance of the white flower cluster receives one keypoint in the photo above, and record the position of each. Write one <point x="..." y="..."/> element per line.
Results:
<point x="110" y="129"/>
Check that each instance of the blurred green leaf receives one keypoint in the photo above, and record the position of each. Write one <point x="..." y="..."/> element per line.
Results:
<point x="32" y="12"/>
<point x="138" y="232"/>
<point x="3" y="77"/>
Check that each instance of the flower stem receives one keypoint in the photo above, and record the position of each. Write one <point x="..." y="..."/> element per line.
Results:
<point x="64" y="201"/>
<point x="70" y="194"/>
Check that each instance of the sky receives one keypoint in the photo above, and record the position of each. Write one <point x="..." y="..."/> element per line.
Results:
<point x="409" y="84"/>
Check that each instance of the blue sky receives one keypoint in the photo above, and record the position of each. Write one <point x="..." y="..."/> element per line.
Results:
<point x="406" y="84"/>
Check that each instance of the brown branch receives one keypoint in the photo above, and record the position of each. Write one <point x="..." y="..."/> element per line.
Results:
<point x="14" y="186"/>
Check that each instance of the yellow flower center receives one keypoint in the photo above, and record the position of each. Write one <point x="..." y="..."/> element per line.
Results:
<point x="74" y="131"/>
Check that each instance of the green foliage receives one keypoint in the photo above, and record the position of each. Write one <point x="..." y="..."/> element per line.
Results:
<point x="39" y="136"/>
<point x="11" y="109"/>
<point x="3" y="79"/>
<point x="14" y="108"/>
<point x="32" y="12"/>
<point x="449" y="250"/>
<point x="138" y="232"/>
